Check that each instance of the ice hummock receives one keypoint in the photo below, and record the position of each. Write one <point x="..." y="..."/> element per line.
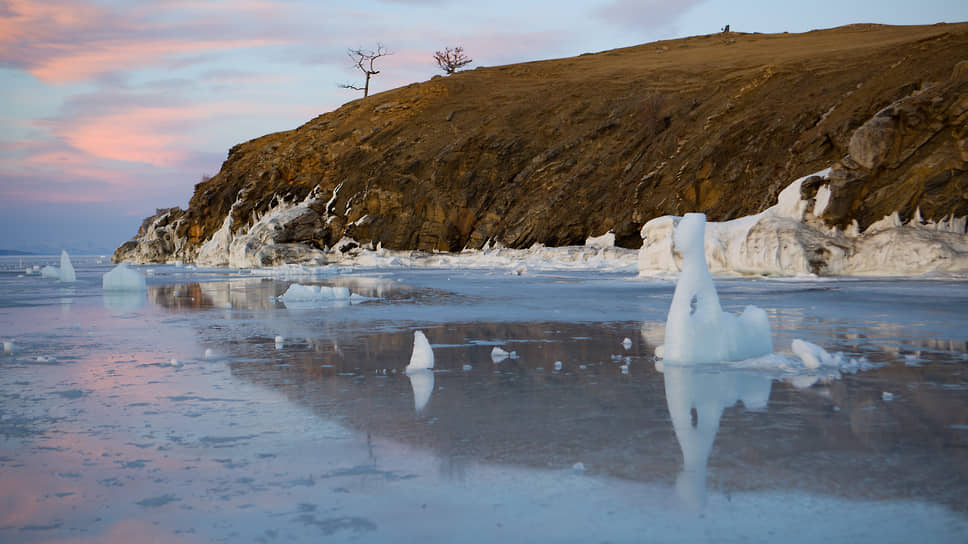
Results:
<point x="422" y="357"/>
<point x="123" y="278"/>
<point x="697" y="328"/>
<point x="66" y="268"/>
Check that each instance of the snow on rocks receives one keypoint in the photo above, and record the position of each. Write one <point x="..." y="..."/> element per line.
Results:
<point x="123" y="278"/>
<point x="790" y="239"/>
<point x="697" y="329"/>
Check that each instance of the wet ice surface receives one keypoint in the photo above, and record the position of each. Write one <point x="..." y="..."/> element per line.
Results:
<point x="251" y="439"/>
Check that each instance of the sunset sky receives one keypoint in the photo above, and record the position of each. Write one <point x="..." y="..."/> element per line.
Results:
<point x="110" y="109"/>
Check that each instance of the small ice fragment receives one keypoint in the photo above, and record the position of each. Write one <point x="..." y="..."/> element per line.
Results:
<point x="210" y="354"/>
<point x="813" y="356"/>
<point x="50" y="272"/>
<point x="582" y="367"/>
<point x="8" y="348"/>
<point x="46" y="359"/>
<point x="498" y="354"/>
<point x="887" y="396"/>
<point x="660" y="351"/>
<point x="280" y="342"/>
<point x="557" y="365"/>
<point x="627" y="344"/>
<point x="467" y="367"/>
<point x="175" y="363"/>
<point x="625" y="368"/>
<point x="310" y="293"/>
<point x="422" y="357"/>
<point x="578" y="467"/>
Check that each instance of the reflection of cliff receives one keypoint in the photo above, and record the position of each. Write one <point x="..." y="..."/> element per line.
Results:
<point x="839" y="438"/>
<point x="696" y="401"/>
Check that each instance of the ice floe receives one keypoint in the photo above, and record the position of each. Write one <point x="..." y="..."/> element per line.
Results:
<point x="420" y="370"/>
<point x="422" y="357"/>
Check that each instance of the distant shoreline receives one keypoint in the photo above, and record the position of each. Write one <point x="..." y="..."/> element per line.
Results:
<point x="14" y="252"/>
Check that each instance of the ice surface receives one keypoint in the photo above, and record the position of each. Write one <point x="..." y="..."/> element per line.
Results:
<point x="697" y="329"/>
<point x="123" y="278"/>
<point x="790" y="239"/>
<point x="66" y="273"/>
<point x="314" y="293"/>
<point x="422" y="357"/>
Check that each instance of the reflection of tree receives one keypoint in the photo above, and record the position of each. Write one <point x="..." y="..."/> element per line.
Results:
<point x="696" y="401"/>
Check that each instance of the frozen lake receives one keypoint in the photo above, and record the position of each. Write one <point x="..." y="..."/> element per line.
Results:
<point x="298" y="423"/>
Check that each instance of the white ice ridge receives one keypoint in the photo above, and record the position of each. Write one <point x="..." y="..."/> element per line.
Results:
<point x="697" y="328"/>
<point x="790" y="239"/>
<point x="312" y="293"/>
<point x="123" y="278"/>
<point x="422" y="357"/>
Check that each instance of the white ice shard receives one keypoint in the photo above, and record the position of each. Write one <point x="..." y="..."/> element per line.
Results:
<point x="8" y="348"/>
<point x="123" y="278"/>
<point x="66" y="273"/>
<point x="696" y="401"/>
<point x="50" y="272"/>
<point x="422" y="357"/>
<point x="697" y="328"/>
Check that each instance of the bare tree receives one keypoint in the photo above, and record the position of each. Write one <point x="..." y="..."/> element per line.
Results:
<point x="450" y="60"/>
<point x="363" y="59"/>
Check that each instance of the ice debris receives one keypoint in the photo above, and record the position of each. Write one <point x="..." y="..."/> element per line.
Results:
<point x="627" y="344"/>
<point x="123" y="278"/>
<point x="814" y="356"/>
<point x="8" y="348"/>
<point x="66" y="268"/>
<point x="422" y="357"/>
<point x="175" y="363"/>
<point x="697" y="328"/>
<point x="280" y="342"/>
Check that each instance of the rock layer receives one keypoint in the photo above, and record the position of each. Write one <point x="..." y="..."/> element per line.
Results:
<point x="554" y="152"/>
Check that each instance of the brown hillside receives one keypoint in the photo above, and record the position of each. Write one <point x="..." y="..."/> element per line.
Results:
<point x="556" y="151"/>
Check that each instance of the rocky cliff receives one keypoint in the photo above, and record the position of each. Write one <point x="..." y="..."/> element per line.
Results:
<point x="556" y="151"/>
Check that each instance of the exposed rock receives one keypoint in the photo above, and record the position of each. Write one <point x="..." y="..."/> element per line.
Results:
<point x="554" y="152"/>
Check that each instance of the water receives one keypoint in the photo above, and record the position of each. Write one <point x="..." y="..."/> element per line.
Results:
<point x="322" y="435"/>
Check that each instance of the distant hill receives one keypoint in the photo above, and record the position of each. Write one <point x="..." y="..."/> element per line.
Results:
<point x="14" y="252"/>
<point x="555" y="151"/>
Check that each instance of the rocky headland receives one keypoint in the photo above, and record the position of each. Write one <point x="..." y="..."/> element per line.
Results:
<point x="558" y="151"/>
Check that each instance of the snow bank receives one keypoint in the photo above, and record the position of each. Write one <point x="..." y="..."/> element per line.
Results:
<point x="123" y="278"/>
<point x="790" y="239"/>
<point x="422" y="357"/>
<point x="314" y="293"/>
<point x="697" y="329"/>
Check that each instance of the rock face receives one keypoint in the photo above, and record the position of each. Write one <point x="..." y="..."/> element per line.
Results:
<point x="554" y="152"/>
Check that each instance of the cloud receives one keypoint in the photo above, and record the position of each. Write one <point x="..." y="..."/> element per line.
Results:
<point x="644" y="14"/>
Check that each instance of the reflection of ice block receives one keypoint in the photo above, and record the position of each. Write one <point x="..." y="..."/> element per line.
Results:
<point x="697" y="329"/>
<point x="422" y="382"/>
<point x="422" y="357"/>
<point x="123" y="301"/>
<point x="708" y="394"/>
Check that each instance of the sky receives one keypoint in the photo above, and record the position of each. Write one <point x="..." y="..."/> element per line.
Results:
<point x="110" y="109"/>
